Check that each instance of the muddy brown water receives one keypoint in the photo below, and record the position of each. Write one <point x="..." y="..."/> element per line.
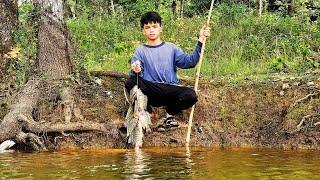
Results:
<point x="162" y="163"/>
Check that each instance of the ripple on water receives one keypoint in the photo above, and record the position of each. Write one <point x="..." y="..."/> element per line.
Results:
<point x="162" y="163"/>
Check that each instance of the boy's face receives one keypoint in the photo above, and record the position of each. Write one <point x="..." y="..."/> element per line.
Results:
<point x="152" y="30"/>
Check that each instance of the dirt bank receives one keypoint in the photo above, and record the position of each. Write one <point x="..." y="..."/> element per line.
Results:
<point x="260" y="114"/>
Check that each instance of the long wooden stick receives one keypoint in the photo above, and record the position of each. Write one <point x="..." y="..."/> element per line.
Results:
<point x="197" y="77"/>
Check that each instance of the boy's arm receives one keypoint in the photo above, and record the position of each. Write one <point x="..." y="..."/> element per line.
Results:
<point x="136" y="63"/>
<point x="183" y="60"/>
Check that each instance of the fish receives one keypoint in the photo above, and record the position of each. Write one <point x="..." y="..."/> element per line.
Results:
<point x="138" y="119"/>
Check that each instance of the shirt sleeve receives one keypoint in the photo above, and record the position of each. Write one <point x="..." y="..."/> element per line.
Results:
<point x="137" y="56"/>
<point x="183" y="60"/>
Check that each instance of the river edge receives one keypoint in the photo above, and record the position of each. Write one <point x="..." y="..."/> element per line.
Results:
<point x="251" y="114"/>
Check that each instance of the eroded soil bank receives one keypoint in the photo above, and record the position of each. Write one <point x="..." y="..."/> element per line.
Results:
<point x="282" y="113"/>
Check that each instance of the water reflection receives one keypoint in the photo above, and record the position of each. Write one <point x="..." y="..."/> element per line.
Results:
<point x="136" y="164"/>
<point x="188" y="161"/>
<point x="159" y="164"/>
<point x="162" y="163"/>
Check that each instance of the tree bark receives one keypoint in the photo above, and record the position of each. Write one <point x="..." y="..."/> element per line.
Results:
<point x="181" y="8"/>
<point x="53" y="64"/>
<point x="292" y="7"/>
<point x="21" y="111"/>
<point x="174" y="8"/>
<point x="260" y="7"/>
<point x="112" y="8"/>
<point x="53" y="60"/>
<point x="8" y="20"/>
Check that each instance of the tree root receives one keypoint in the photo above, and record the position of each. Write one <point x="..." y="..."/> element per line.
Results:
<point x="309" y="96"/>
<point x="109" y="73"/>
<point x="62" y="128"/>
<point x="21" y="111"/>
<point x="302" y="121"/>
<point x="20" y="126"/>
<point x="69" y="107"/>
<point x="308" y="121"/>
<point x="317" y="123"/>
<point x="31" y="140"/>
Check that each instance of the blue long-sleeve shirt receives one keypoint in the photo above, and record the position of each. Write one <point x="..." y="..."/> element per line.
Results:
<point x="159" y="63"/>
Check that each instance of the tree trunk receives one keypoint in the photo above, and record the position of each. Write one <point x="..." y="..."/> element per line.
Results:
<point x="174" y="9"/>
<point x="20" y="112"/>
<point x="53" y="64"/>
<point x="291" y="7"/>
<point x="112" y="8"/>
<point x="260" y="7"/>
<point x="8" y="20"/>
<point x="53" y="60"/>
<point x="181" y="8"/>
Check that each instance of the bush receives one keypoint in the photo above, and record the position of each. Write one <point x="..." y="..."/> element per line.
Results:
<point x="241" y="43"/>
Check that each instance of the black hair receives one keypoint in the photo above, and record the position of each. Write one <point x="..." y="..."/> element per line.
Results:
<point x="149" y="17"/>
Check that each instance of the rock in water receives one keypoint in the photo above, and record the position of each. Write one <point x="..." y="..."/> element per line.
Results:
<point x="6" y="145"/>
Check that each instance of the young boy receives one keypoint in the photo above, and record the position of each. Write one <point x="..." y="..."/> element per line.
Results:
<point x="156" y="64"/>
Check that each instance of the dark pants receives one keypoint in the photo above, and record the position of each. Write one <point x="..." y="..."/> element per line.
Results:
<point x="174" y="98"/>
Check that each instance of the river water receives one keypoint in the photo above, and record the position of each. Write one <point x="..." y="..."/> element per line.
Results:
<point x="162" y="163"/>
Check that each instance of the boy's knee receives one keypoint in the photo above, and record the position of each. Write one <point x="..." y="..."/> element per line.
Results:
<point x="191" y="97"/>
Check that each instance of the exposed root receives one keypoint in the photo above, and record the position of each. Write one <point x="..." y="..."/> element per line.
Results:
<point x="31" y="140"/>
<point x="67" y="103"/>
<point x="308" y="121"/>
<point x="309" y="96"/>
<point x="23" y="125"/>
<point x="20" y="112"/>
<point x="70" y="127"/>
<point x="302" y="121"/>
<point x="110" y="74"/>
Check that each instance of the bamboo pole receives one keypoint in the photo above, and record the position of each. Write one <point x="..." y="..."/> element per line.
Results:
<point x="197" y="77"/>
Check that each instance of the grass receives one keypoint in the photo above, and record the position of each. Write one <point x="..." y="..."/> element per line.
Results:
<point x="242" y="45"/>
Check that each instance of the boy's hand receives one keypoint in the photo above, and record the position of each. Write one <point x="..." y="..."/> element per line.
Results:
<point x="136" y="67"/>
<point x="204" y="33"/>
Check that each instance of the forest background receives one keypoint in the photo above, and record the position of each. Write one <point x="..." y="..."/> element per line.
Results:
<point x="251" y="39"/>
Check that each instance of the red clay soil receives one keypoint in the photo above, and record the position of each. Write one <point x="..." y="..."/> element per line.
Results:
<point x="250" y="114"/>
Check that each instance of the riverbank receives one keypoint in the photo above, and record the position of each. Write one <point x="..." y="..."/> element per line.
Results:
<point x="280" y="113"/>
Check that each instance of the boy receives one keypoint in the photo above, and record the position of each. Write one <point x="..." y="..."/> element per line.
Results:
<point x="156" y="64"/>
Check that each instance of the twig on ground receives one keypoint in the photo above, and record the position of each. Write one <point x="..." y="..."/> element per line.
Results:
<point x="302" y="121"/>
<point x="305" y="98"/>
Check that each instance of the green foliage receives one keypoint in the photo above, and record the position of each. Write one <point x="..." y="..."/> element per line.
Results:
<point x="241" y="43"/>
<point x="105" y="43"/>
<point x="137" y="8"/>
<point x="20" y="67"/>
